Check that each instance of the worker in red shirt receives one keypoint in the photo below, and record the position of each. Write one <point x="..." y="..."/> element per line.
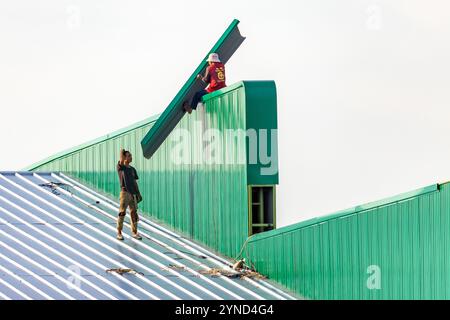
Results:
<point x="214" y="75"/>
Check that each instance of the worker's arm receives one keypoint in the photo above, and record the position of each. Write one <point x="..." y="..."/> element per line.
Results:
<point x="122" y="157"/>
<point x="206" y="77"/>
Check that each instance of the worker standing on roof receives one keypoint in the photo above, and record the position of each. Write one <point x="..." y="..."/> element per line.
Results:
<point x="214" y="75"/>
<point x="129" y="194"/>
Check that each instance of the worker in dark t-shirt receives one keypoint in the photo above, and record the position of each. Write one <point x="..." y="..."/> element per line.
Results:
<point x="129" y="193"/>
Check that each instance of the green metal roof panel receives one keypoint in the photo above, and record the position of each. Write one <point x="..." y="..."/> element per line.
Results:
<point x="344" y="213"/>
<point x="393" y="249"/>
<point x="228" y="43"/>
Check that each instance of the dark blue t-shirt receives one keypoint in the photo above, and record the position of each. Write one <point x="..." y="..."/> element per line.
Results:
<point x="127" y="177"/>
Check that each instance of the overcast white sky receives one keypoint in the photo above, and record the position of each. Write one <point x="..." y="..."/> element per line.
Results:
<point x="363" y="85"/>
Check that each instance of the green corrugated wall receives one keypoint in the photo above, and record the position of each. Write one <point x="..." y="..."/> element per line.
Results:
<point x="393" y="249"/>
<point x="207" y="202"/>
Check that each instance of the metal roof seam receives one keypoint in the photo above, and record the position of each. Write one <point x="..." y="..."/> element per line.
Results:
<point x="68" y="248"/>
<point x="125" y="257"/>
<point x="14" y="289"/>
<point x="57" y="276"/>
<point x="4" y="296"/>
<point x="27" y="283"/>
<point x="71" y="238"/>
<point x="57" y="253"/>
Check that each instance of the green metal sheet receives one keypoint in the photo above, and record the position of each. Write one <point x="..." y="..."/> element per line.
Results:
<point x="228" y="43"/>
<point x="347" y="212"/>
<point x="401" y="241"/>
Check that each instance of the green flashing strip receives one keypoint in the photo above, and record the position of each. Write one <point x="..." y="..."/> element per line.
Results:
<point x="220" y="92"/>
<point x="344" y="213"/>
<point x="444" y="183"/>
<point x="111" y="135"/>
<point x="228" y="43"/>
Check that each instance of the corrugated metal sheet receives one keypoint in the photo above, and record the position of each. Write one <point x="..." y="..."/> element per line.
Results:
<point x="58" y="240"/>
<point x="228" y="43"/>
<point x="392" y="249"/>
<point x="206" y="201"/>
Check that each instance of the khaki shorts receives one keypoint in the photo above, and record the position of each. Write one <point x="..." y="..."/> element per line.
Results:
<point x="127" y="200"/>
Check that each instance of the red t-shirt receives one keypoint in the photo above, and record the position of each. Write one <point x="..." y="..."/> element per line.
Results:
<point x="216" y="73"/>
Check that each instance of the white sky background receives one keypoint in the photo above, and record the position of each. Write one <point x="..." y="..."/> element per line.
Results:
<point x="363" y="85"/>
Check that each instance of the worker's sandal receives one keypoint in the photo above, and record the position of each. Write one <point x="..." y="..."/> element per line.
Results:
<point x="119" y="237"/>
<point x="137" y="236"/>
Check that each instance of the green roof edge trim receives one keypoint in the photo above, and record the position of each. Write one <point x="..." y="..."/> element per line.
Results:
<point x="90" y="143"/>
<point x="346" y="212"/>
<point x="234" y="86"/>
<point x="152" y="134"/>
<point x="227" y="89"/>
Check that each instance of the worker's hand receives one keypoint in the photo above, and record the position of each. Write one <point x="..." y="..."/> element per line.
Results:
<point x="122" y="156"/>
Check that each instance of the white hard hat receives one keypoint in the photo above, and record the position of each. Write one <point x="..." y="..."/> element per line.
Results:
<point x="213" y="57"/>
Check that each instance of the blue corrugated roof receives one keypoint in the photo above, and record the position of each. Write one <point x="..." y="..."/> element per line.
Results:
<point x="58" y="241"/>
